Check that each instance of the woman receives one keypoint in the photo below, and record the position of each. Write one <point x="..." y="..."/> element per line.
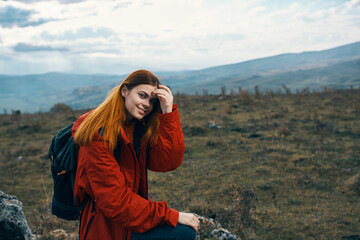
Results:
<point x="139" y="122"/>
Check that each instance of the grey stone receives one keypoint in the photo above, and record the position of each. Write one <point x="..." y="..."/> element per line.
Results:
<point x="13" y="225"/>
<point x="223" y="234"/>
<point x="209" y="225"/>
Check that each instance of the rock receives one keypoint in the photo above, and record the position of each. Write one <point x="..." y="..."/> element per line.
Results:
<point x="223" y="234"/>
<point x="213" y="124"/>
<point x="209" y="227"/>
<point x="13" y="225"/>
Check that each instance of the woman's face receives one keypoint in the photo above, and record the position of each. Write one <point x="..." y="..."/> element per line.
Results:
<point x="139" y="101"/>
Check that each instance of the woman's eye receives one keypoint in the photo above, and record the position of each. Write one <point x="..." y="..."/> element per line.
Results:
<point x="141" y="95"/>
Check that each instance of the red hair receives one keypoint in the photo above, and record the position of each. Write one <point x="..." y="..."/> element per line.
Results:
<point x="110" y="115"/>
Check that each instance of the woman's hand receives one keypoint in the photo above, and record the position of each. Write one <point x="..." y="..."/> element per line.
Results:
<point x="189" y="219"/>
<point x="163" y="93"/>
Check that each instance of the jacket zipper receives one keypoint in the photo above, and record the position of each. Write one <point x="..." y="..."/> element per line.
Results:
<point x="134" y="158"/>
<point x="146" y="167"/>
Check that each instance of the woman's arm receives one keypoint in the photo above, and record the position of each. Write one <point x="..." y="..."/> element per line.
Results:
<point x="108" y="189"/>
<point x="167" y="154"/>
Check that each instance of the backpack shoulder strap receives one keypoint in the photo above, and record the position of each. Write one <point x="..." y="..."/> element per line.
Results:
<point x="61" y="149"/>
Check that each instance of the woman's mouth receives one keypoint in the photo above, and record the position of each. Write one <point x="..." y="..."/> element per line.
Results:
<point x="142" y="111"/>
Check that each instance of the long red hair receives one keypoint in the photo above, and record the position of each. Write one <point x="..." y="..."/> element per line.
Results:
<point x="110" y="116"/>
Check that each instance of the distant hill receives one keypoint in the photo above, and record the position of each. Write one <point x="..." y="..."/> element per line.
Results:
<point x="250" y="73"/>
<point x="38" y="92"/>
<point x="339" y="76"/>
<point x="336" y="68"/>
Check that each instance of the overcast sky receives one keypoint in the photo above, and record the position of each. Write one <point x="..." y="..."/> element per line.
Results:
<point x="117" y="37"/>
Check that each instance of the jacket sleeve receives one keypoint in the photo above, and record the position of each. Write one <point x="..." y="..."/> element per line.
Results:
<point x="167" y="154"/>
<point x="116" y="200"/>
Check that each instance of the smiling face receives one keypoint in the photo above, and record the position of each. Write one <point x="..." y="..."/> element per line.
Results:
<point x="139" y="101"/>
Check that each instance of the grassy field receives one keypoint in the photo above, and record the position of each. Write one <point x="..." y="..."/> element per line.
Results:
<point x="266" y="166"/>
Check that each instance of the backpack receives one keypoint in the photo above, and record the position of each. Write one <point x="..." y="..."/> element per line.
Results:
<point x="63" y="154"/>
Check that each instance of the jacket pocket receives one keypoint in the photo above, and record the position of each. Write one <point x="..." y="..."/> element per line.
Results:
<point x="88" y="226"/>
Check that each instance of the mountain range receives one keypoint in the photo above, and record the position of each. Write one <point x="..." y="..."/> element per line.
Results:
<point x="336" y="68"/>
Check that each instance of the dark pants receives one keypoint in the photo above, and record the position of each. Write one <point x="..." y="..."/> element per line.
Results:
<point x="166" y="232"/>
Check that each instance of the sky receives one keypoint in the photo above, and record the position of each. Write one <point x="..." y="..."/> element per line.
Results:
<point x="118" y="37"/>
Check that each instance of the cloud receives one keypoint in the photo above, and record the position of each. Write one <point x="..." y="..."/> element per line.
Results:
<point x="226" y="36"/>
<point x="82" y="33"/>
<point x="5" y="58"/>
<point x="190" y="34"/>
<point x="25" y="1"/>
<point x="11" y="16"/>
<point x="23" y="47"/>
<point x="316" y="16"/>
<point x="353" y="4"/>
<point x="60" y="1"/>
<point x="70" y="1"/>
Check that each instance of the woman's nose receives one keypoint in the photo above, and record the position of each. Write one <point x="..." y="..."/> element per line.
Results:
<point x="146" y="103"/>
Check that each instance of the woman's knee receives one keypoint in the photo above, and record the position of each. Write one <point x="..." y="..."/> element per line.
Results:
<point x="186" y="232"/>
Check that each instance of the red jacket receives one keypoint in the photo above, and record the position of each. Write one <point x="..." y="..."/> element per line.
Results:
<point x="117" y="209"/>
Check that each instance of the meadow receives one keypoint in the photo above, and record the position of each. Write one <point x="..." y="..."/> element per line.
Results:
<point x="274" y="165"/>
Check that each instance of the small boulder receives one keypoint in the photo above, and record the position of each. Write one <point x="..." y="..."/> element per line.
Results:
<point x="13" y="225"/>
<point x="209" y="228"/>
<point x="223" y="234"/>
<point x="213" y="124"/>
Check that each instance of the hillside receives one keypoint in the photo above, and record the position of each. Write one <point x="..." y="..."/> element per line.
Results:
<point x="274" y="166"/>
<point x="337" y="76"/>
<point x="197" y="80"/>
<point x="335" y="68"/>
<point x="34" y="93"/>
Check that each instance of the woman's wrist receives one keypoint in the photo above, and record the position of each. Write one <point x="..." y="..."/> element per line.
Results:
<point x="168" y="109"/>
<point x="171" y="109"/>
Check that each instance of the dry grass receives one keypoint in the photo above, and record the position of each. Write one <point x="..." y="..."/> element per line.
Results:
<point x="280" y="167"/>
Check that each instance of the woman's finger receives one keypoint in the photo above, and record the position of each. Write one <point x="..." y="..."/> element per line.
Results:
<point x="165" y="99"/>
<point x="194" y="221"/>
<point x="162" y="94"/>
<point x="166" y="88"/>
<point x="164" y="91"/>
<point x="190" y="220"/>
<point x="161" y="97"/>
